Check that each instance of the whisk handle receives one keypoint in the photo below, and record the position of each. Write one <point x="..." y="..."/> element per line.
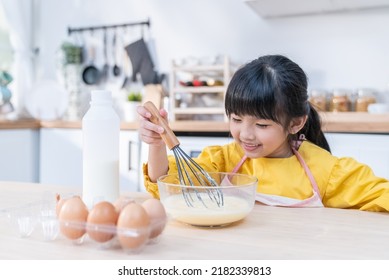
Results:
<point x="168" y="135"/>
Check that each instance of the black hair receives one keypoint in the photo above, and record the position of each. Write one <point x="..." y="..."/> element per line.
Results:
<point x="274" y="87"/>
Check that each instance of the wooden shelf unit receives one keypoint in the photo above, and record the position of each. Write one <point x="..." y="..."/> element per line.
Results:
<point x="221" y="71"/>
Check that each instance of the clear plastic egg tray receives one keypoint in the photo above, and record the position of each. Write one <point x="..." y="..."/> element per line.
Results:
<point x="39" y="220"/>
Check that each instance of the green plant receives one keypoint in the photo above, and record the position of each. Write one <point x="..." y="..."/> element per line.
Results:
<point x="5" y="78"/>
<point x="72" y="53"/>
<point x="134" y="96"/>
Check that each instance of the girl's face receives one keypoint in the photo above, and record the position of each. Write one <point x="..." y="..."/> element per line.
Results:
<point x="260" y="137"/>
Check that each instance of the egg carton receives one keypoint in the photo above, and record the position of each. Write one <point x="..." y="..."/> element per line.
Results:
<point x="26" y="219"/>
<point x="131" y="240"/>
<point x="39" y="220"/>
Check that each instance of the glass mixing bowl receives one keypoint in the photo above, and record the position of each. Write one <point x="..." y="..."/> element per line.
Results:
<point x="230" y="201"/>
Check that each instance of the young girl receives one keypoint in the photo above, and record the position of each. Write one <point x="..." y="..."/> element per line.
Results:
<point x="277" y="138"/>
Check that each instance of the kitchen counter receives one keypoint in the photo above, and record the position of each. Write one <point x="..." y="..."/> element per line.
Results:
<point x="332" y="122"/>
<point x="20" y="124"/>
<point x="355" y="122"/>
<point x="267" y="233"/>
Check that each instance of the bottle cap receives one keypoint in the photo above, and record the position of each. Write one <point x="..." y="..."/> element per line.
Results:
<point x="101" y="95"/>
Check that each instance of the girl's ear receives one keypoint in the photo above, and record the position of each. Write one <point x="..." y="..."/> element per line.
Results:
<point x="297" y="124"/>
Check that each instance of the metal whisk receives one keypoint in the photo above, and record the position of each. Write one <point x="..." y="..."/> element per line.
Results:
<point x="190" y="173"/>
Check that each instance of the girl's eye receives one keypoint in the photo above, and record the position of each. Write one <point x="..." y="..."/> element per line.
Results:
<point x="235" y="119"/>
<point x="261" y="125"/>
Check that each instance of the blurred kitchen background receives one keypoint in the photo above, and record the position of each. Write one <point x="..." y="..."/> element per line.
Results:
<point x="341" y="44"/>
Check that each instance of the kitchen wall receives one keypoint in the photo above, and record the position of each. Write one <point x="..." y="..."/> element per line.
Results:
<point x="341" y="50"/>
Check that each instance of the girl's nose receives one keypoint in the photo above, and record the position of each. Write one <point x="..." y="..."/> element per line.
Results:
<point x="247" y="134"/>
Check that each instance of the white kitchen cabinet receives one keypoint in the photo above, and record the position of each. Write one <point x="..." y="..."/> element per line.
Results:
<point x="191" y="145"/>
<point x="371" y="149"/>
<point x="19" y="156"/>
<point x="129" y="160"/>
<point x="61" y="158"/>
<point x="283" y="8"/>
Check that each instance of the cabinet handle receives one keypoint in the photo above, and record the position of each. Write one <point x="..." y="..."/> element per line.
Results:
<point x="129" y="154"/>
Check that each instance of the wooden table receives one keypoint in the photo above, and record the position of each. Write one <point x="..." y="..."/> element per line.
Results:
<point x="267" y="233"/>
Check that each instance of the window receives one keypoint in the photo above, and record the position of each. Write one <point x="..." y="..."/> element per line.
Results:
<point x="6" y="54"/>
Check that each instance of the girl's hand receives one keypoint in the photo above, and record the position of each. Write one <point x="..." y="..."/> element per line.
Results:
<point x="148" y="131"/>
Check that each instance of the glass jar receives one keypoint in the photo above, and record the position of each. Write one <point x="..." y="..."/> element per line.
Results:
<point x="340" y="101"/>
<point x="318" y="99"/>
<point x="365" y="97"/>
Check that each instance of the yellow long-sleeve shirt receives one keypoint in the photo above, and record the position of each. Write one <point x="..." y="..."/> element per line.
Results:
<point x="343" y="182"/>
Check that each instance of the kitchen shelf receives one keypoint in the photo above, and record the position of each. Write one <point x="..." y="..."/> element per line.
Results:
<point x="221" y="71"/>
<point x="199" y="68"/>
<point x="196" y="110"/>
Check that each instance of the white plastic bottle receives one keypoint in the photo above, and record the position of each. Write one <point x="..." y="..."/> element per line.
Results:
<point x="101" y="130"/>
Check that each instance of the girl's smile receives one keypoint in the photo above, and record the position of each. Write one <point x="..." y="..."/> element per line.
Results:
<point x="249" y="147"/>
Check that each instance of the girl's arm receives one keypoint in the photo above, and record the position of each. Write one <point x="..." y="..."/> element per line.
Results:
<point x="158" y="164"/>
<point x="354" y="185"/>
<point x="150" y="134"/>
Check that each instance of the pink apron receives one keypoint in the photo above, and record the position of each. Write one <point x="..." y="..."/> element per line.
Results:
<point x="276" y="200"/>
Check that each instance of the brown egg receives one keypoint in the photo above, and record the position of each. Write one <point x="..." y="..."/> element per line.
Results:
<point x="72" y="218"/>
<point x="101" y="222"/>
<point x="122" y="202"/>
<point x="133" y="227"/>
<point x="59" y="204"/>
<point x="157" y="215"/>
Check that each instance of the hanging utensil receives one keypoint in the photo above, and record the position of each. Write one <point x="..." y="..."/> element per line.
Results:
<point x="141" y="61"/>
<point x="126" y="70"/>
<point x="91" y="75"/>
<point x="116" y="69"/>
<point x="105" y="71"/>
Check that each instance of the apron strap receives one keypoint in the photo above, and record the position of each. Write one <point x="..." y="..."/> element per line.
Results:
<point x="307" y="171"/>
<point x="240" y="163"/>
